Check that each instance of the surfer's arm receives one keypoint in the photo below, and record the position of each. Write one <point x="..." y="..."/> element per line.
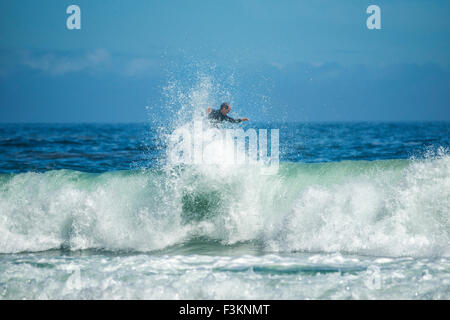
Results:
<point x="229" y="119"/>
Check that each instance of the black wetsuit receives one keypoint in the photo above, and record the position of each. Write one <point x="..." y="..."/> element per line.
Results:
<point x="217" y="116"/>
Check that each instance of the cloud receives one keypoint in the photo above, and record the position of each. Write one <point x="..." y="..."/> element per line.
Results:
<point x="139" y="66"/>
<point x="98" y="61"/>
<point x="60" y="64"/>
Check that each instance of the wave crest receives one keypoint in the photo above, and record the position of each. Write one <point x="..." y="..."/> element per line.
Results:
<point x="386" y="208"/>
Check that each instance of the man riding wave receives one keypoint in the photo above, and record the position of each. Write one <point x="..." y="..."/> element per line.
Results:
<point x="217" y="116"/>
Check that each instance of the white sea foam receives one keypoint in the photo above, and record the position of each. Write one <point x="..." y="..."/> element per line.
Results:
<point x="386" y="208"/>
<point x="220" y="277"/>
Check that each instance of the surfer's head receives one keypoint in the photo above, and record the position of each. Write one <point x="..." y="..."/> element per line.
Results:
<point x="225" y="108"/>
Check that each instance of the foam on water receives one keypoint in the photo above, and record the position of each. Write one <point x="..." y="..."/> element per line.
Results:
<point x="222" y="277"/>
<point x="388" y="208"/>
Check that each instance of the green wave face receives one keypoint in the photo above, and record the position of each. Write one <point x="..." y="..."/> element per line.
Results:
<point x="388" y="207"/>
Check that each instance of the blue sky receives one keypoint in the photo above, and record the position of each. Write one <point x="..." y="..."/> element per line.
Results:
<point x="282" y="60"/>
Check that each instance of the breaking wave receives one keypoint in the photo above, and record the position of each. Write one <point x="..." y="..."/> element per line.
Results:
<point x="385" y="207"/>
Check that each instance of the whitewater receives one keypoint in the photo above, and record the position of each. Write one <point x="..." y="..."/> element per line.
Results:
<point x="385" y="208"/>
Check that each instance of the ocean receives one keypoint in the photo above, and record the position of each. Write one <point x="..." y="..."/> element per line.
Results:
<point x="356" y="210"/>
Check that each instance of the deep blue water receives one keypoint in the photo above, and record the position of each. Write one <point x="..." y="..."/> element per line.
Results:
<point x="107" y="147"/>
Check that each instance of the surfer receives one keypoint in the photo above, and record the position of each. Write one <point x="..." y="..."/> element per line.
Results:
<point x="220" y="115"/>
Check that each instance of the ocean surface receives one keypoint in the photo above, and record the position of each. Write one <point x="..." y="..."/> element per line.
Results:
<point x="99" y="211"/>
